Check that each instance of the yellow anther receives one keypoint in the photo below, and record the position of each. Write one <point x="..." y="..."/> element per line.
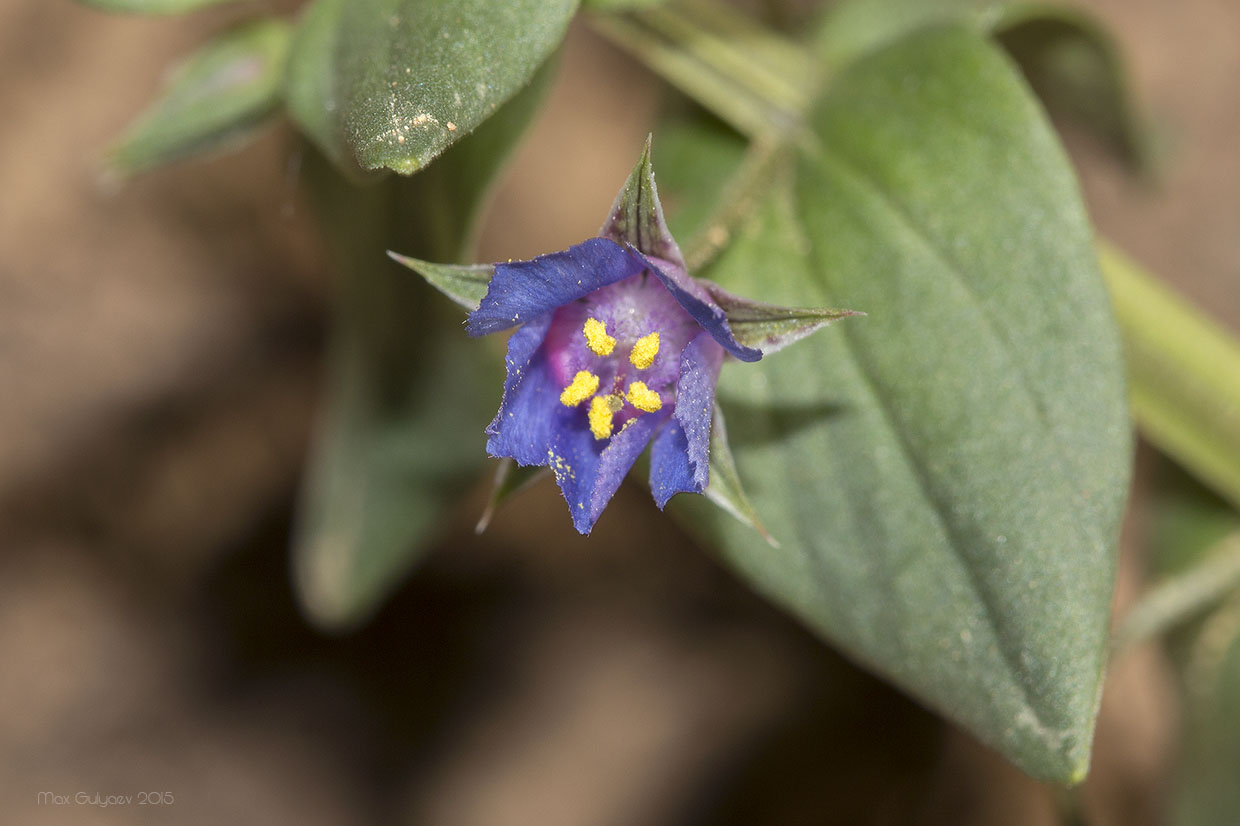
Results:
<point x="583" y="387"/>
<point x="597" y="339"/>
<point x="643" y="398"/>
<point x="644" y="351"/>
<point x="600" y="416"/>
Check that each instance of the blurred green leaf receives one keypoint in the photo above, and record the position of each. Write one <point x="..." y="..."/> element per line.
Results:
<point x="398" y="81"/>
<point x="217" y="96"/>
<point x="310" y="83"/>
<point x="1206" y="792"/>
<point x="849" y="29"/>
<point x="695" y="160"/>
<point x="1067" y="56"/>
<point x="1076" y="69"/>
<point x="408" y="395"/>
<point x="154" y="6"/>
<point x="946" y="475"/>
<point x="1186" y="520"/>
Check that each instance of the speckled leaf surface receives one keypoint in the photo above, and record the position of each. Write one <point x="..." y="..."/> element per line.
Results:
<point x="398" y="81"/>
<point x="946" y="475"/>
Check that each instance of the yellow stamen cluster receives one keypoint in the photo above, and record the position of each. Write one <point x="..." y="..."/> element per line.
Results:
<point x="583" y="386"/>
<point x="644" y="351"/>
<point x="643" y="398"/>
<point x="597" y="339"/>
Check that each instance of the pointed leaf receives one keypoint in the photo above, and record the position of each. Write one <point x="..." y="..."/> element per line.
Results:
<point x="217" y="96"/>
<point x="947" y="476"/>
<point x="398" y="81"/>
<point x="466" y="284"/>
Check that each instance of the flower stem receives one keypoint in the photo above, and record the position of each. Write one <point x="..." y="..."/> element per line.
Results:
<point x="1182" y="597"/>
<point x="1184" y="372"/>
<point x="737" y="70"/>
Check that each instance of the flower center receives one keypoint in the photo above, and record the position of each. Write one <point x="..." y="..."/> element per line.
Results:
<point x="585" y="384"/>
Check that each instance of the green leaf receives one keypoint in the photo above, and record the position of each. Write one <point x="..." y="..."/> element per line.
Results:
<point x="946" y="476"/>
<point x="218" y="96"/>
<point x="852" y="28"/>
<point x="154" y="6"/>
<point x="1067" y="56"/>
<point x="1076" y="68"/>
<point x="409" y="395"/>
<point x="398" y="81"/>
<point x="310" y="84"/>
<point x="696" y="159"/>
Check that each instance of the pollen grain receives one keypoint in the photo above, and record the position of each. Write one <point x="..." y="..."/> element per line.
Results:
<point x="583" y="386"/>
<point x="644" y="351"/>
<point x="597" y="339"/>
<point x="643" y="398"/>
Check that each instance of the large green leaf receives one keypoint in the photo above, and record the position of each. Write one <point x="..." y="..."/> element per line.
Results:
<point x="218" y="95"/>
<point x="946" y="476"/>
<point x="1068" y="57"/>
<point x="408" y="395"/>
<point x="398" y="81"/>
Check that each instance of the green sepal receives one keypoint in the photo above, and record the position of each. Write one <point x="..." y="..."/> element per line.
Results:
<point x="509" y="480"/>
<point x="466" y="284"/>
<point x="636" y="217"/>
<point x="769" y="327"/>
<point x="724" y="488"/>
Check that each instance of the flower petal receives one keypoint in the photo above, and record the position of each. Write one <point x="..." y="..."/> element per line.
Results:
<point x="522" y="428"/>
<point x="698" y="302"/>
<point x="522" y="290"/>
<point x="680" y="456"/>
<point x="589" y="476"/>
<point x="671" y="472"/>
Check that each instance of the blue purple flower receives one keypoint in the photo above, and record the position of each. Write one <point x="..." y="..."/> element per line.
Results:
<point x="616" y="347"/>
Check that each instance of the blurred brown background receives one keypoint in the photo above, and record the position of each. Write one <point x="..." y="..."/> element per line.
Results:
<point x="160" y="351"/>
